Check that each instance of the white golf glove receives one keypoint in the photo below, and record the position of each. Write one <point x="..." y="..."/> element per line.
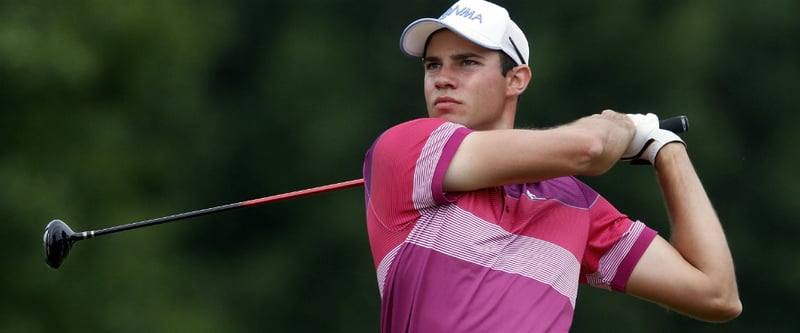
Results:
<point x="657" y="140"/>
<point x="645" y="124"/>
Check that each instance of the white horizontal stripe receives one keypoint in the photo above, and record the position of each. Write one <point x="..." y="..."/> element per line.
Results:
<point x="469" y="238"/>
<point x="383" y="267"/>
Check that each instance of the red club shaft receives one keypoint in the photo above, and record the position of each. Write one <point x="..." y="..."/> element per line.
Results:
<point x="206" y="211"/>
<point x="300" y="193"/>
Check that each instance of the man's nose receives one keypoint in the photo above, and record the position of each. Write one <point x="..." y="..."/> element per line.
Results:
<point x="445" y="79"/>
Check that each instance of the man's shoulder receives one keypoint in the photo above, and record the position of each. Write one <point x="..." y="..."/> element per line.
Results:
<point x="413" y="130"/>
<point x="419" y="124"/>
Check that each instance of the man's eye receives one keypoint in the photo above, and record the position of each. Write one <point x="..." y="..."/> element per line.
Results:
<point x="469" y="62"/>
<point x="432" y="66"/>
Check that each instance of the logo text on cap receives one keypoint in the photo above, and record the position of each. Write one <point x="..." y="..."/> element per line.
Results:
<point x="464" y="12"/>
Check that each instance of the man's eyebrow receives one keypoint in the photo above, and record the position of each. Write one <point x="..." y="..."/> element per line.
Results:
<point x="466" y="55"/>
<point x="459" y="56"/>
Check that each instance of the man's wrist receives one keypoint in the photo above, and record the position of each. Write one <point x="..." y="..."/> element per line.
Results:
<point x="669" y="153"/>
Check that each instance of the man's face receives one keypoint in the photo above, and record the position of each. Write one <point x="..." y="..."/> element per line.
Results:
<point x="463" y="83"/>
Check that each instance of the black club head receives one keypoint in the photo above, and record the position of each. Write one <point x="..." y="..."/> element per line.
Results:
<point x="58" y="240"/>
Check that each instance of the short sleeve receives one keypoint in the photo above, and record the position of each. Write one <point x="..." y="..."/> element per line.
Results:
<point x="405" y="167"/>
<point x="614" y="246"/>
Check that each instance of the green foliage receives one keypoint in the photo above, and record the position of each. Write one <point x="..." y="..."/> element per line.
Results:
<point x="114" y="112"/>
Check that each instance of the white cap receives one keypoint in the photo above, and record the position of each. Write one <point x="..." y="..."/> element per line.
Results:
<point x="481" y="22"/>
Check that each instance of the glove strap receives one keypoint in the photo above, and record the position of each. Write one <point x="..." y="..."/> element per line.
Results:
<point x="659" y="139"/>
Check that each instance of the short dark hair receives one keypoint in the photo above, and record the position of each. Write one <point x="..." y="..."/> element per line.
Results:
<point x="506" y="63"/>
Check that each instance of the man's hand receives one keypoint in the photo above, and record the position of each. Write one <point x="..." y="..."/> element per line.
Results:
<point x="645" y="125"/>
<point x="649" y="139"/>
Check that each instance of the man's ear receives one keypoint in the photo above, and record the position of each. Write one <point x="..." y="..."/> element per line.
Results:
<point x="517" y="80"/>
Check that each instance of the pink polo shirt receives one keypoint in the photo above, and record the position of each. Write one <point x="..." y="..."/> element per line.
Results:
<point x="502" y="259"/>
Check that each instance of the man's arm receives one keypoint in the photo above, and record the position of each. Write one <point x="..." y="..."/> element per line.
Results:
<point x="694" y="274"/>
<point x="588" y="146"/>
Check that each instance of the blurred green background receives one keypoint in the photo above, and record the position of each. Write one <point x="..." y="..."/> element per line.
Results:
<point x="119" y="111"/>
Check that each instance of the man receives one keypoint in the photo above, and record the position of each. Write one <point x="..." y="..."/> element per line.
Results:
<point x="476" y="226"/>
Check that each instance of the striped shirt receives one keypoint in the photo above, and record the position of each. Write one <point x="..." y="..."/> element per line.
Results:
<point x="503" y="259"/>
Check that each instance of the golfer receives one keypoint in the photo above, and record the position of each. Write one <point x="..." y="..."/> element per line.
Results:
<point x="475" y="226"/>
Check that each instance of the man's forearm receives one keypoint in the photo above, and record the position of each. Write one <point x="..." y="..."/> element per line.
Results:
<point x="696" y="230"/>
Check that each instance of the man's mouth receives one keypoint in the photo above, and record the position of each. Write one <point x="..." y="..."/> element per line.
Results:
<point x="445" y="102"/>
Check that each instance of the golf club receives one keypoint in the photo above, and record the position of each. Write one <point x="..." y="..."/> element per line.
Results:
<point x="59" y="238"/>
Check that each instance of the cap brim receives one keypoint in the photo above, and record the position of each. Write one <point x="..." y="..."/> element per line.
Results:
<point x="414" y="37"/>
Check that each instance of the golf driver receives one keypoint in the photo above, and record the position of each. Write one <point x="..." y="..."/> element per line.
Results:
<point x="59" y="238"/>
